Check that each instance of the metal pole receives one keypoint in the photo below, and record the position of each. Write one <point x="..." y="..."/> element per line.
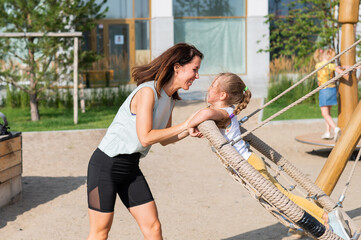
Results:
<point x="341" y="153"/>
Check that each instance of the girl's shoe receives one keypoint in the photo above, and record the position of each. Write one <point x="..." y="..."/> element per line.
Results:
<point x="338" y="224"/>
<point x="337" y="133"/>
<point x="326" y="135"/>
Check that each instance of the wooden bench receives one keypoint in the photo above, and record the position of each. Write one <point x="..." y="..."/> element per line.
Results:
<point x="10" y="168"/>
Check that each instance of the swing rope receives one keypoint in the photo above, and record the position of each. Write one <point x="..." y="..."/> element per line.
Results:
<point x="295" y="103"/>
<point x="318" y="194"/>
<point x="301" y="81"/>
<point x="280" y="205"/>
<point x="343" y="195"/>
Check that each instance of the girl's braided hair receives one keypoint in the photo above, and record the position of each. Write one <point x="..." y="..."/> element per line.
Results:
<point x="237" y="91"/>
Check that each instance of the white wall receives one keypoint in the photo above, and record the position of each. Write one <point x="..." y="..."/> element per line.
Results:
<point x="257" y="8"/>
<point x="162" y="8"/>
<point x="162" y="34"/>
<point x="257" y="63"/>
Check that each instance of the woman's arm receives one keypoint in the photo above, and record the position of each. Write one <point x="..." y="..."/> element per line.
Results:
<point x="143" y="105"/>
<point x="175" y="138"/>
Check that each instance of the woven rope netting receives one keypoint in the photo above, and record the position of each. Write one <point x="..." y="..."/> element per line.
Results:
<point x="280" y="206"/>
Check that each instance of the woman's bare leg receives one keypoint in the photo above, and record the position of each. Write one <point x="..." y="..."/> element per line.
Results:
<point x="146" y="216"/>
<point x="100" y="224"/>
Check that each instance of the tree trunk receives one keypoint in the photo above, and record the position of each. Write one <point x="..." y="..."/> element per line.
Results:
<point x="34" y="109"/>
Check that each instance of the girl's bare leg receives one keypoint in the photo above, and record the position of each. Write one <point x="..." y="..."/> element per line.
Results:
<point x="326" y="114"/>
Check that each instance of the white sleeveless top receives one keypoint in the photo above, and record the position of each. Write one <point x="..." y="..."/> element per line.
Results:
<point x="232" y="131"/>
<point x="121" y="136"/>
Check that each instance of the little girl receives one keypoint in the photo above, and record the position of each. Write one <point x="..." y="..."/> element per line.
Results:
<point x="328" y="95"/>
<point x="227" y="97"/>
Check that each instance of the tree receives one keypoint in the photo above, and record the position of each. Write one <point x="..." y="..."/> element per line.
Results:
<point x="36" y="65"/>
<point x="306" y="26"/>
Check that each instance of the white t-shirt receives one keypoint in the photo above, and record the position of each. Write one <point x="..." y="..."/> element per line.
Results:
<point x="121" y="136"/>
<point x="232" y="131"/>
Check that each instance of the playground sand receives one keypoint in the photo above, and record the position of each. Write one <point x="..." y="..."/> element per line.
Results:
<point x="196" y="198"/>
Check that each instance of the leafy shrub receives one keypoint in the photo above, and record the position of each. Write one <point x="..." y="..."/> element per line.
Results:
<point x="280" y="83"/>
<point x="63" y="98"/>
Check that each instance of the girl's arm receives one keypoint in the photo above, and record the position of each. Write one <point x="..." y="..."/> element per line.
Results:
<point x="340" y="69"/>
<point x="207" y="114"/>
<point x="203" y="115"/>
<point x="143" y="106"/>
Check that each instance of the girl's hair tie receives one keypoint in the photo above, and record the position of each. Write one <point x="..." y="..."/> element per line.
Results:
<point x="231" y="116"/>
<point x="246" y="88"/>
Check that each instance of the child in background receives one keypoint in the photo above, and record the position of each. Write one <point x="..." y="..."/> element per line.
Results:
<point x="328" y="95"/>
<point x="227" y="97"/>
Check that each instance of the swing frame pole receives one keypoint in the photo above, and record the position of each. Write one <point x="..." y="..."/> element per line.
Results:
<point x="347" y="90"/>
<point x="349" y="111"/>
<point x="337" y="160"/>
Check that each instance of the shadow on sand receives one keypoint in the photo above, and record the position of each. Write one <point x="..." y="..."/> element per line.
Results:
<point x="277" y="231"/>
<point x="325" y="152"/>
<point x="36" y="191"/>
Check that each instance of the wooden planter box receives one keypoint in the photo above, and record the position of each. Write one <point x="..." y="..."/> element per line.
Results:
<point x="10" y="168"/>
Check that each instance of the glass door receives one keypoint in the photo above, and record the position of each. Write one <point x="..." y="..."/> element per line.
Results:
<point x="114" y="40"/>
<point x="118" y="51"/>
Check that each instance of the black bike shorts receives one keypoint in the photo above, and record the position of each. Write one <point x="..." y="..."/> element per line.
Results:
<point x="109" y="176"/>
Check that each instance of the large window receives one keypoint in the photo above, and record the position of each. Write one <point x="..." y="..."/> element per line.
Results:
<point x="122" y="38"/>
<point x="137" y="13"/>
<point x="124" y="9"/>
<point x="217" y="28"/>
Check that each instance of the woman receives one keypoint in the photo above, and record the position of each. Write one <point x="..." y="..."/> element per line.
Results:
<point x="144" y="118"/>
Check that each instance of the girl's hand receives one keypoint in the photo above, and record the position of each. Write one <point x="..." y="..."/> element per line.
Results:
<point x="186" y="123"/>
<point x="194" y="132"/>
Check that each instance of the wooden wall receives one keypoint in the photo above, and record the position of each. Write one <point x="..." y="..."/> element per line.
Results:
<point x="10" y="168"/>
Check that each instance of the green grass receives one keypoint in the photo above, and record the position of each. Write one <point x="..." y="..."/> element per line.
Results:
<point x="300" y="111"/>
<point x="58" y="119"/>
<point x="52" y="119"/>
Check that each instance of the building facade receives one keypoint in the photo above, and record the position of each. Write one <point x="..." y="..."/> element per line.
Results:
<point x="228" y="32"/>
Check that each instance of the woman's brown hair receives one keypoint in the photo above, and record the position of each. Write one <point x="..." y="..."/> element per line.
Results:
<point x="161" y="69"/>
<point x="237" y="91"/>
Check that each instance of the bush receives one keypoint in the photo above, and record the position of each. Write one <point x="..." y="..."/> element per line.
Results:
<point x="284" y="74"/>
<point x="15" y="98"/>
<point x="280" y="83"/>
<point x="63" y="98"/>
